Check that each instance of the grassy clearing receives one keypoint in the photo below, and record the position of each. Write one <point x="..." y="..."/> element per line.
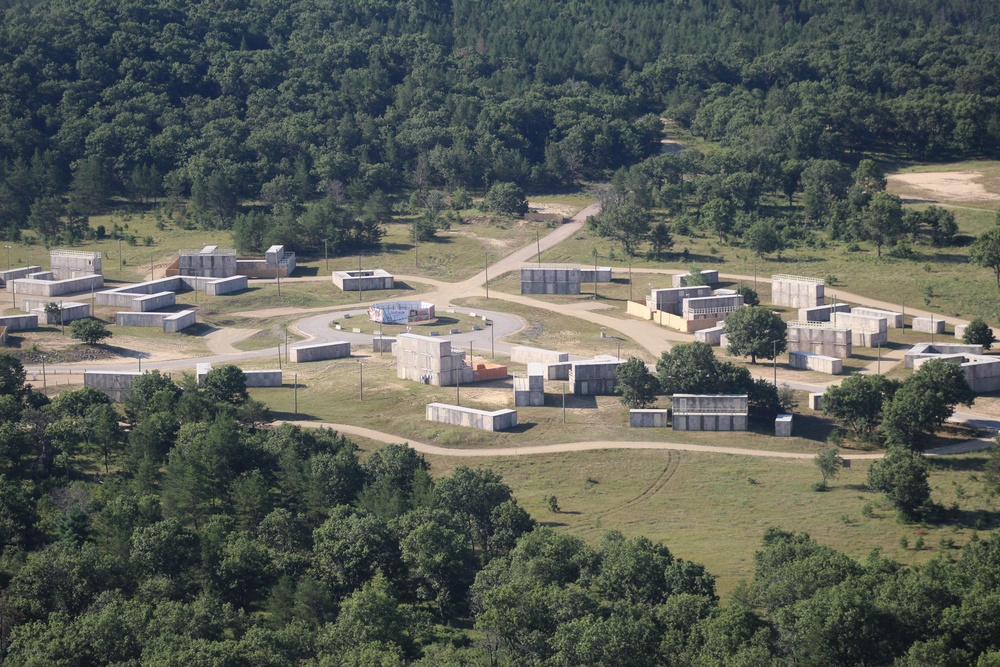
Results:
<point x="714" y="509"/>
<point x="555" y="331"/>
<point x="446" y="321"/>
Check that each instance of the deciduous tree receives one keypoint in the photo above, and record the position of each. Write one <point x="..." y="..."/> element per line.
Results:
<point x="755" y="331"/>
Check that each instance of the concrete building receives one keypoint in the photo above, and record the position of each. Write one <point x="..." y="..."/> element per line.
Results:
<point x="712" y="336"/>
<point x="715" y="308"/>
<point x="671" y="299"/>
<point x="796" y="291"/>
<point x="816" y="401"/>
<point x="169" y="322"/>
<point x="866" y="330"/>
<point x="893" y="319"/>
<point x="647" y="418"/>
<point x="68" y="264"/>
<point x="816" y="362"/>
<point x="52" y="288"/>
<point x="360" y="281"/>
<point x="69" y="311"/>
<point x="820" y="338"/>
<point x="529" y="390"/>
<point x="822" y="313"/>
<point x="551" y="279"/>
<point x="381" y="345"/>
<point x="960" y="330"/>
<point x="14" y="274"/>
<point x="928" y="325"/>
<point x="267" y="378"/>
<point x="214" y="262"/>
<point x="981" y="371"/>
<point x="457" y="415"/>
<point x="430" y="361"/>
<point x="320" y="351"/>
<point x="522" y="354"/>
<point x="931" y="351"/>
<point x="595" y="377"/>
<point x="114" y="384"/>
<point x="783" y="426"/>
<point x="709" y="277"/>
<point x="710" y="412"/>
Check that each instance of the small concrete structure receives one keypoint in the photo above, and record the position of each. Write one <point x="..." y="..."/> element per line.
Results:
<point x="796" y="291"/>
<point x="603" y="274"/>
<point x="320" y="351"/>
<point x="866" y="330"/>
<point x="820" y="338"/>
<point x="551" y="279"/>
<point x="529" y="390"/>
<point x="457" y="415"/>
<point x="42" y="275"/>
<point x="19" y="322"/>
<point x="71" y="310"/>
<point x="67" y="264"/>
<point x="711" y="336"/>
<point x="200" y="371"/>
<point x="928" y="325"/>
<point x="558" y="371"/>
<point x="168" y="322"/>
<point x="270" y="378"/>
<point x="671" y="299"/>
<point x="521" y="354"/>
<point x="650" y="418"/>
<point x="816" y="402"/>
<point x="816" y="362"/>
<point x="893" y="319"/>
<point x="430" y="361"/>
<point x="380" y="344"/>
<point x="14" y="274"/>
<point x="213" y="262"/>
<point x="783" y="426"/>
<point x="596" y="377"/>
<point x="710" y="277"/>
<point x="368" y="279"/>
<point x="714" y="308"/>
<point x="933" y="350"/>
<point x="114" y="384"/>
<point x="822" y="313"/>
<point x="223" y="286"/>
<point x="401" y="312"/>
<point x="710" y="412"/>
<point x="50" y="288"/>
<point x="960" y="330"/>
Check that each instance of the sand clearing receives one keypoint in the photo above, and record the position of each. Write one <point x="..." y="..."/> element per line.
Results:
<point x="942" y="186"/>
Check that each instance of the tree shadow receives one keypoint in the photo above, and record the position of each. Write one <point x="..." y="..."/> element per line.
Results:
<point x="964" y="464"/>
<point x="283" y="415"/>
<point x="522" y="427"/>
<point x="552" y="524"/>
<point x="303" y="271"/>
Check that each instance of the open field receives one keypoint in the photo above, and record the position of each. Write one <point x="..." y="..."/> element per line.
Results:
<point x="714" y="509"/>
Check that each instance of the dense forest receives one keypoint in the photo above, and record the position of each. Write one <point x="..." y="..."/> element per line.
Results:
<point x="175" y="529"/>
<point x="317" y="110"/>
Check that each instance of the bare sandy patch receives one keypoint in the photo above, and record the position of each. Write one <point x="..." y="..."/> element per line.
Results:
<point x="942" y="186"/>
<point x="557" y="209"/>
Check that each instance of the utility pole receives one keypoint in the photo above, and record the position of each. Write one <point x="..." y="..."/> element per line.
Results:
<point x="630" y="278"/>
<point x="564" y="402"/>
<point x="8" y="256"/>
<point x="277" y="274"/>
<point x="774" y="353"/>
<point x="119" y="255"/>
<point x="538" y="249"/>
<point x="62" y="320"/>
<point x="295" y="391"/>
<point x="878" y="364"/>
<point x="45" y="386"/>
<point x="326" y="255"/>
<point x="286" y="343"/>
<point x="279" y="356"/>
<point x="595" y="273"/>
<point x="359" y="277"/>
<point x="416" y="245"/>
<point x="493" y="351"/>
<point x="361" y="380"/>
<point x="150" y="265"/>
<point x="487" y="275"/>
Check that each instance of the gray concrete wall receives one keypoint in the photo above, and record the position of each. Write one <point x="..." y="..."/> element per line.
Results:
<point x="796" y="291"/>
<point x="210" y="264"/>
<point x="521" y="354"/>
<point x="711" y="277"/>
<point x="709" y="422"/>
<point x="687" y="404"/>
<point x="270" y="378"/>
<point x="14" y="274"/>
<point x="960" y="330"/>
<point x="928" y="325"/>
<point x="783" y="426"/>
<point x="822" y="313"/>
<point x="670" y="299"/>
<point x="866" y="330"/>
<point x="114" y="384"/>
<point x="529" y="390"/>
<point x="19" y="322"/>
<point x="550" y="280"/>
<point x="70" y="311"/>
<point x="370" y="279"/>
<point x="128" y="318"/>
<point x="226" y="285"/>
<point x="147" y="303"/>
<point x="647" y="418"/>
<point x="983" y="374"/>
<point x="928" y="350"/>
<point x="29" y="287"/>
<point x="603" y="274"/>
<point x="456" y="415"/>
<point x="175" y="322"/>
<point x="815" y="401"/>
<point x="320" y="351"/>
<point x="41" y="275"/>
<point x="826" y="341"/>
<point x="558" y="371"/>
<point x="893" y="319"/>
<point x="816" y="362"/>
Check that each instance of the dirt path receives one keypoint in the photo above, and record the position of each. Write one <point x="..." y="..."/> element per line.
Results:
<point x="221" y="341"/>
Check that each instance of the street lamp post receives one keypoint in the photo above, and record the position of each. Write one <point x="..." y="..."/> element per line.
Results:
<point x="493" y="351"/>
<point x="774" y="354"/>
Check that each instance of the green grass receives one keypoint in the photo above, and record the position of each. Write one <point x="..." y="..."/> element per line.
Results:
<point x="442" y="324"/>
<point x="714" y="509"/>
